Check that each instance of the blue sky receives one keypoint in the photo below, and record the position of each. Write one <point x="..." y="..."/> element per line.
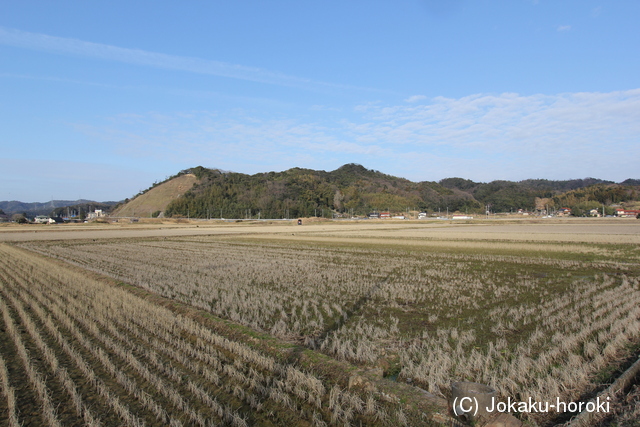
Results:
<point x="101" y="99"/>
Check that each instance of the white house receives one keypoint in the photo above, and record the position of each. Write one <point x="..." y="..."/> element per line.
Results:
<point x="461" y="217"/>
<point x="41" y="219"/>
<point x="96" y="214"/>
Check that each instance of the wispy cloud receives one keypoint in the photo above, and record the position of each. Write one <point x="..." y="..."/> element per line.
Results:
<point x="54" y="79"/>
<point x="415" y="98"/>
<point x="47" y="43"/>
<point x="574" y="134"/>
<point x="198" y="135"/>
<point x="482" y="137"/>
<point x="563" y="28"/>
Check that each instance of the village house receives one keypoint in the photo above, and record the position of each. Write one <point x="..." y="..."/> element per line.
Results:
<point x="456" y="216"/>
<point x="41" y="219"/>
<point x="627" y="213"/>
<point x="564" y="212"/>
<point x="96" y="214"/>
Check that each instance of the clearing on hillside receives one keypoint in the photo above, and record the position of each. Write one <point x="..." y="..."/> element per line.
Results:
<point x="157" y="198"/>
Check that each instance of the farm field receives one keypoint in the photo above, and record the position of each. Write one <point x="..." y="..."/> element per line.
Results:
<point x="77" y="350"/>
<point x="543" y="310"/>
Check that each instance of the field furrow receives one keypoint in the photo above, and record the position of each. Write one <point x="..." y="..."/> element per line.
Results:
<point x="148" y="365"/>
<point x="532" y="324"/>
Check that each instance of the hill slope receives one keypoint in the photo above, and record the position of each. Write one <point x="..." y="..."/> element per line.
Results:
<point x="157" y="198"/>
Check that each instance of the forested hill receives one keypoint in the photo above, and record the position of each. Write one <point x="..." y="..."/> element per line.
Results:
<point x="354" y="189"/>
<point x="305" y="192"/>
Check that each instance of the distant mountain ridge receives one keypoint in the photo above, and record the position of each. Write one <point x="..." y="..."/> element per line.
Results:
<point x="46" y="208"/>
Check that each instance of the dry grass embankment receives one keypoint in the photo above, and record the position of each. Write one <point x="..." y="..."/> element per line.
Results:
<point x="157" y="198"/>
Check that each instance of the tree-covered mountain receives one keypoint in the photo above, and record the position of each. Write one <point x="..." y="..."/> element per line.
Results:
<point x="305" y="192"/>
<point x="353" y="189"/>
<point x="503" y="196"/>
<point x="582" y="200"/>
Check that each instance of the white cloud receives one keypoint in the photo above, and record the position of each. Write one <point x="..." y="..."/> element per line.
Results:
<point x="482" y="136"/>
<point x="562" y="28"/>
<point x="575" y="134"/>
<point x="214" y="139"/>
<point x="47" y="43"/>
<point x="415" y="98"/>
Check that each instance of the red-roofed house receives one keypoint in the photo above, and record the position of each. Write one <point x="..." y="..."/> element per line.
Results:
<point x="627" y="213"/>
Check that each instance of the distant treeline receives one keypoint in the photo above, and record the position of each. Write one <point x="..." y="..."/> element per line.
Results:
<point x="53" y="208"/>
<point x="82" y="209"/>
<point x="599" y="196"/>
